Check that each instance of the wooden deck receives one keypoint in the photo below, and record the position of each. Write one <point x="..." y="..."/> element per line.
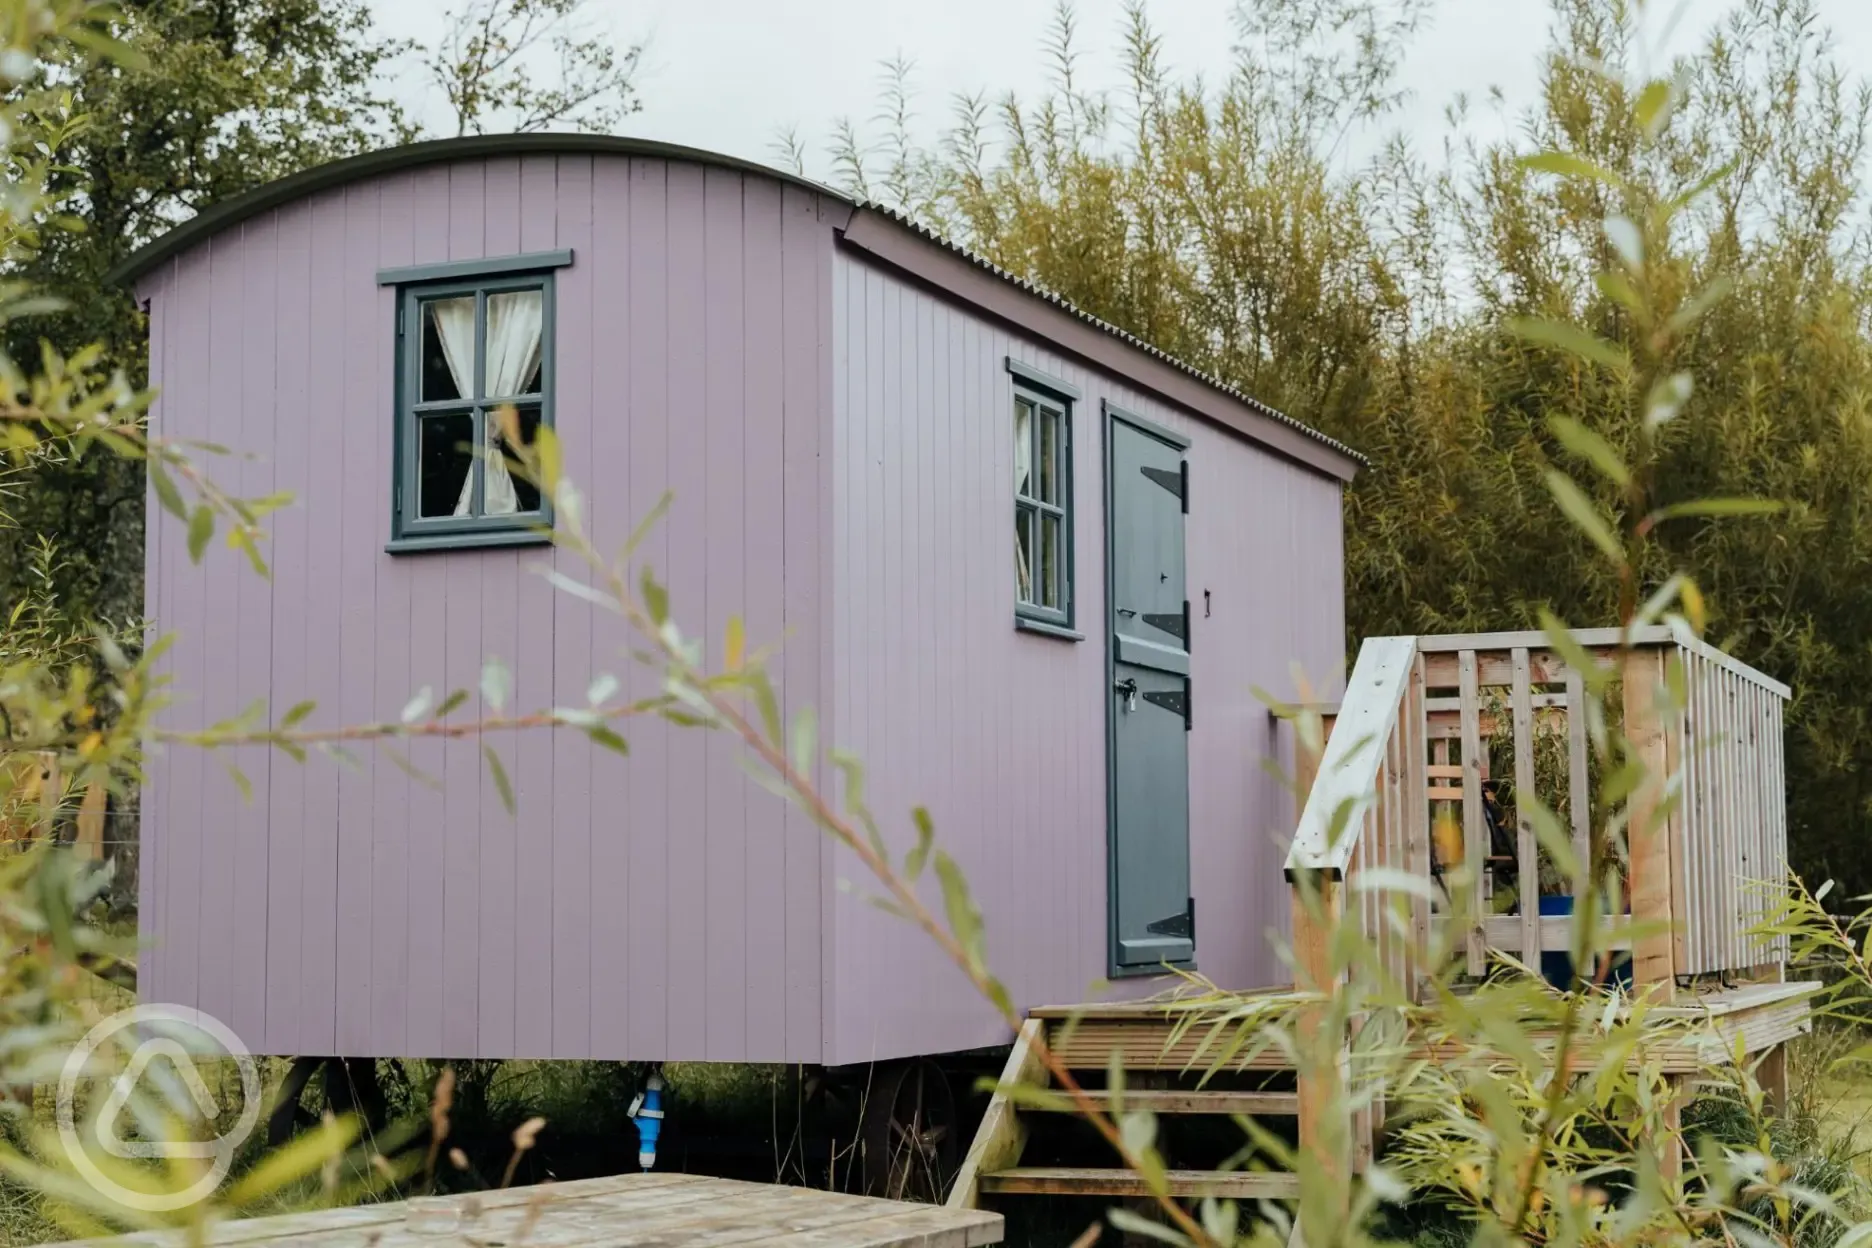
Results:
<point x="638" y="1210"/>
<point x="1697" y="1034"/>
<point x="1408" y="750"/>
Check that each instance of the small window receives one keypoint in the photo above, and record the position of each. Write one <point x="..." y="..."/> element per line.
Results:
<point x="1042" y="506"/>
<point x="475" y="361"/>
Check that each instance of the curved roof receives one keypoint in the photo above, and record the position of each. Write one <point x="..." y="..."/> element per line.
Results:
<point x="435" y="151"/>
<point x="261" y="199"/>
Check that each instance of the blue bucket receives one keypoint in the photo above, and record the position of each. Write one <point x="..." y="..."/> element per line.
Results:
<point x="1557" y="965"/>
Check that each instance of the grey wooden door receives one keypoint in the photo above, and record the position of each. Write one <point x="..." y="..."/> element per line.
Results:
<point x="1147" y="494"/>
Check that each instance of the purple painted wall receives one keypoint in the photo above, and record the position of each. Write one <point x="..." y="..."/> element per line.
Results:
<point x="660" y="906"/>
<point x="835" y="438"/>
<point x="1001" y="734"/>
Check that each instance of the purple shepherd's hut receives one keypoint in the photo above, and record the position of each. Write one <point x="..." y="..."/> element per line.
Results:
<point x="1028" y="567"/>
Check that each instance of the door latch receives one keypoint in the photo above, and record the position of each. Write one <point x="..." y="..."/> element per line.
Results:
<point x="1128" y="687"/>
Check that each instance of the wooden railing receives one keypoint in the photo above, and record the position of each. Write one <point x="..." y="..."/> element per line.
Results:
<point x="1410" y="750"/>
<point x="1365" y="808"/>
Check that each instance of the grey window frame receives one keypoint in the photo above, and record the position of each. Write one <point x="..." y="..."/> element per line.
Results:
<point x="1032" y="386"/>
<point x="410" y="532"/>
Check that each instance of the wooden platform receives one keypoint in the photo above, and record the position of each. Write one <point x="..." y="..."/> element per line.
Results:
<point x="648" y="1210"/>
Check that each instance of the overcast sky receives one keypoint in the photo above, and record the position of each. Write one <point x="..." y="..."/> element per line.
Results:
<point x="728" y="74"/>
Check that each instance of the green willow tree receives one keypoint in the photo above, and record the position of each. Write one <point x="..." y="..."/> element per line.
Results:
<point x="219" y="98"/>
<point x="1375" y="298"/>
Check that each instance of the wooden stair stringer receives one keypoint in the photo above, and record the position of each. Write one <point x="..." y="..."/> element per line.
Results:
<point x="1002" y="1136"/>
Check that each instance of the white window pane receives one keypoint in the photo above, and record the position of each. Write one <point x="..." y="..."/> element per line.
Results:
<point x="508" y="491"/>
<point x="1023" y="447"/>
<point x="516" y="319"/>
<point x="1049" y="456"/>
<point x="445" y="465"/>
<point x="1023" y="554"/>
<point x="1050" y="562"/>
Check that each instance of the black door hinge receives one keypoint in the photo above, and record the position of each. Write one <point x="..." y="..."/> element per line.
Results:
<point x="1175" y="701"/>
<point x="1176" y="625"/>
<point x="1183" y="925"/>
<point x="1185" y="490"/>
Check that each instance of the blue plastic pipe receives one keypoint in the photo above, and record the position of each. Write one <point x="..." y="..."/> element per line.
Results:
<point x="647" y="1112"/>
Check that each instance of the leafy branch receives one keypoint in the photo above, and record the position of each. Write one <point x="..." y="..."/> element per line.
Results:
<point x="722" y="700"/>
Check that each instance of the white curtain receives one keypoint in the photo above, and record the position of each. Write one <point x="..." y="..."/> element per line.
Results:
<point x="514" y="324"/>
<point x="1023" y="484"/>
<point x="1023" y="449"/>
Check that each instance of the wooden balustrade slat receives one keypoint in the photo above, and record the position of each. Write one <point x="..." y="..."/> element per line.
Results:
<point x="1702" y="799"/>
<point x="1579" y="791"/>
<point x="1715" y="855"/>
<point x="1709" y="840"/>
<point x="1674" y="830"/>
<point x="1373" y="850"/>
<point x="1696" y="772"/>
<point x="1475" y="843"/>
<point x="1738" y="853"/>
<point x="1527" y="847"/>
<point x="1417" y="827"/>
<point x="1726" y="822"/>
<point x="1758" y="841"/>
<point x="1730" y="760"/>
<point x="1778" y="746"/>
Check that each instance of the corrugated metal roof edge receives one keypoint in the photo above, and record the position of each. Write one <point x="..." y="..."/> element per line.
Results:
<point x="1124" y="335"/>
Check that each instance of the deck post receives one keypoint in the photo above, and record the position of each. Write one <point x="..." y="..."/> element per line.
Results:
<point x="1653" y="965"/>
<point x="1670" y="1143"/>
<point x="1319" y="1080"/>
<point x="1772" y="1074"/>
<point x="89" y="842"/>
<point x="1307" y="763"/>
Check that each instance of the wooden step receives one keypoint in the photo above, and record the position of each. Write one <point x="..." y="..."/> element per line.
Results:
<point x="1067" y="1181"/>
<point x="1266" y="1104"/>
<point x="1145" y="1042"/>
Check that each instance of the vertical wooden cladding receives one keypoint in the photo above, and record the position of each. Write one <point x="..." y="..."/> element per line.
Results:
<point x="638" y="908"/>
<point x="1000" y="733"/>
